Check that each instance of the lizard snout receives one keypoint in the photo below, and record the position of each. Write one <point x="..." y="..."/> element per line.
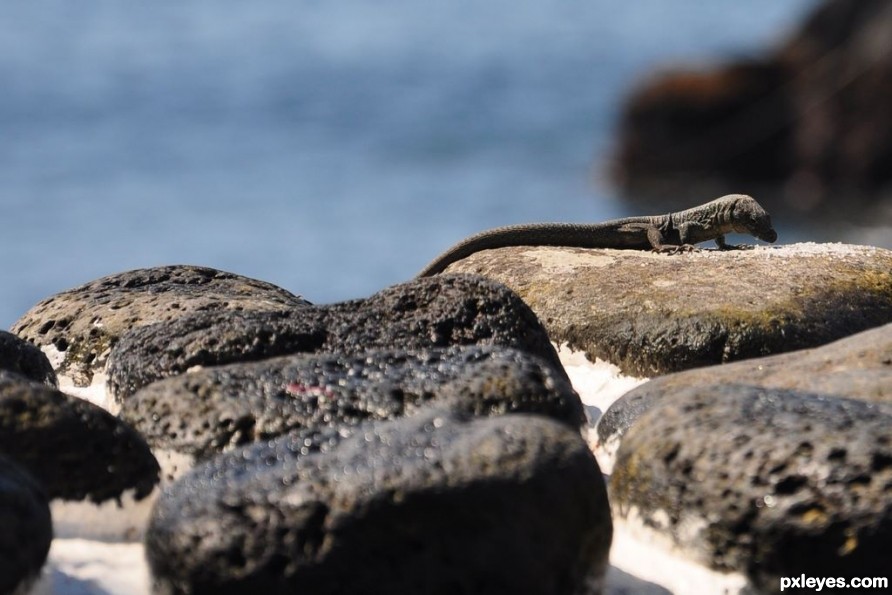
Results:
<point x="768" y="236"/>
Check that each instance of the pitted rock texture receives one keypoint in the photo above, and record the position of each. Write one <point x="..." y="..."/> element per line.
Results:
<point x="157" y="351"/>
<point x="26" y="528"/>
<point x="652" y="314"/>
<point x="769" y="482"/>
<point x="21" y="357"/>
<point x="77" y="450"/>
<point x="426" y="504"/>
<point x="78" y="327"/>
<point x="215" y="409"/>
<point x="623" y="413"/>
<point x="857" y="367"/>
<point x="432" y="312"/>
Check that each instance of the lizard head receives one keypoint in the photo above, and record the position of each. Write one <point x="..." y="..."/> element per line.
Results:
<point x="749" y="217"/>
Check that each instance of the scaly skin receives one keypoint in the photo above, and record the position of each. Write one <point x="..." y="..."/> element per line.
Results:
<point x="675" y="232"/>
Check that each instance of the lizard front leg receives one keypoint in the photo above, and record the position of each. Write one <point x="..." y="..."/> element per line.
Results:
<point x="720" y="242"/>
<point x="655" y="237"/>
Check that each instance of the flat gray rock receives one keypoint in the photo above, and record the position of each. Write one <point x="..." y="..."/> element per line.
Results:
<point x="434" y="312"/>
<point x="77" y="450"/>
<point x="26" y="528"/>
<point x="215" y="409"/>
<point x="426" y="504"/>
<point x="767" y="482"/>
<point x="78" y="327"/>
<point x="21" y="357"/>
<point x="857" y="367"/>
<point x="652" y="314"/>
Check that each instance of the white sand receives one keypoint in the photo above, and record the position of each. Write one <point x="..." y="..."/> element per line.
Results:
<point x="109" y="521"/>
<point x="599" y="384"/>
<point x="642" y="555"/>
<point x="94" y="393"/>
<point x="642" y="562"/>
<point x="85" y="567"/>
<point x="96" y="549"/>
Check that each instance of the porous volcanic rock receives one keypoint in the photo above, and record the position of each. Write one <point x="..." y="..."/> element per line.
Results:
<point x="432" y="312"/>
<point x="21" y="357"/>
<point x="425" y="504"/>
<point x="205" y="412"/>
<point x="768" y="482"/>
<point x="652" y="314"/>
<point x="78" y="451"/>
<point x="27" y="528"/>
<point x="857" y="367"/>
<point x="157" y="351"/>
<point x="78" y="327"/>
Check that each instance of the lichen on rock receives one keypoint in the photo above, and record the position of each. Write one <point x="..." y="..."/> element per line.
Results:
<point x="652" y="314"/>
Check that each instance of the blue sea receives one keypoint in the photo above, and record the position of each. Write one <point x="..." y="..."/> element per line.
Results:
<point x="332" y="148"/>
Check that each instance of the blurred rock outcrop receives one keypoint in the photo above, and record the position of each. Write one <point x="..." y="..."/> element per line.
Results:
<point x="812" y="116"/>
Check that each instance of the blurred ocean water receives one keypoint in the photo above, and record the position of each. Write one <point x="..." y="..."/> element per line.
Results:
<point x="331" y="148"/>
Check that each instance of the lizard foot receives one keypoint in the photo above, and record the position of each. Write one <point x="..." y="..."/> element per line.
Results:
<point x="667" y="249"/>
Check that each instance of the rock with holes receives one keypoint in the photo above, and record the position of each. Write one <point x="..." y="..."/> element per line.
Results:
<point x="26" y="528"/>
<point x="765" y="482"/>
<point x="202" y="413"/>
<point x="78" y="327"/>
<point x="98" y="471"/>
<point x="430" y="312"/>
<point x="21" y="357"/>
<point x="433" y="503"/>
<point x="857" y="367"/>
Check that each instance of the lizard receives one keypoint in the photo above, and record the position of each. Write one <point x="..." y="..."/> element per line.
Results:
<point x="673" y="232"/>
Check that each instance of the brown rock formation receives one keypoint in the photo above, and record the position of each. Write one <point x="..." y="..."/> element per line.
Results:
<point x="813" y="115"/>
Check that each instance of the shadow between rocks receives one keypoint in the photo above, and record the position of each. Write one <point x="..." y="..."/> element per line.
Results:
<point x="56" y="582"/>
<point x="617" y="582"/>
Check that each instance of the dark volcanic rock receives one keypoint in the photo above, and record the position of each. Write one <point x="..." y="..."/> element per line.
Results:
<point x="21" y="357"/>
<point x="77" y="450"/>
<point x="214" y="409"/>
<point x="431" y="312"/>
<point x="857" y="367"/>
<point x="26" y="528"/>
<point x="440" y="312"/>
<point x="153" y="352"/>
<point x="769" y="482"/>
<point x="622" y="414"/>
<point x="426" y="504"/>
<point x="651" y="314"/>
<point x="79" y="326"/>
